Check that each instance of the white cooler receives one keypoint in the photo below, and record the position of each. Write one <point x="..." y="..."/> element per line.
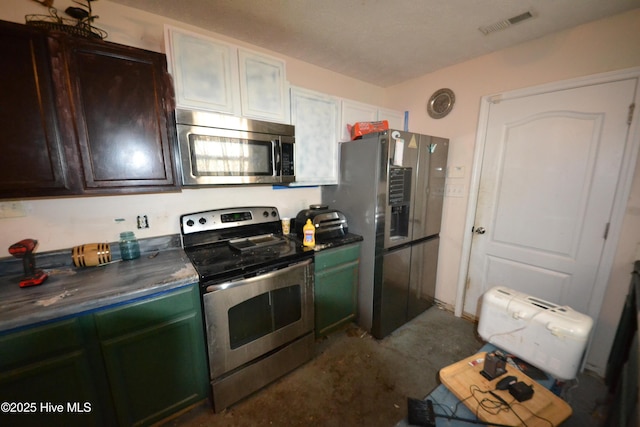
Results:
<point x="550" y="337"/>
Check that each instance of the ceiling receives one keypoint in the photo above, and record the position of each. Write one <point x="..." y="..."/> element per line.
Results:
<point x="383" y="42"/>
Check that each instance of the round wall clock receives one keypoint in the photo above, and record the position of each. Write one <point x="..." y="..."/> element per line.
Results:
<point x="441" y="103"/>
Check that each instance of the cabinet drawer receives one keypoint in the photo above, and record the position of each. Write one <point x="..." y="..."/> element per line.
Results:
<point x="331" y="257"/>
<point x="147" y="312"/>
<point x="40" y="342"/>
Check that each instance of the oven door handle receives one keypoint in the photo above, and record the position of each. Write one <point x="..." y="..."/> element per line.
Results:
<point x="258" y="276"/>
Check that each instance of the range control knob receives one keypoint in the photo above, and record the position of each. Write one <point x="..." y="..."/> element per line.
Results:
<point x="190" y="223"/>
<point x="202" y="220"/>
<point x="273" y="214"/>
<point x="265" y="214"/>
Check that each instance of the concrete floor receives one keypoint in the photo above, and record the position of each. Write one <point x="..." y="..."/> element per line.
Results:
<point x="356" y="380"/>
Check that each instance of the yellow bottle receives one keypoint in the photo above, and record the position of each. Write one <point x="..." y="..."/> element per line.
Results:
<point x="309" y="232"/>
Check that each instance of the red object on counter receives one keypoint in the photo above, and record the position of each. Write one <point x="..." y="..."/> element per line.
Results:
<point x="37" y="279"/>
<point x="23" y="247"/>
<point x="24" y="250"/>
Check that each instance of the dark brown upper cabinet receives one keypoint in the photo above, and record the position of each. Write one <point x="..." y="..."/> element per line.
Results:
<point x="119" y="107"/>
<point x="86" y="117"/>
<point x="32" y="160"/>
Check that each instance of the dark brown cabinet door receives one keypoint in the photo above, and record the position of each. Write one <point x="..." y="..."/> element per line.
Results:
<point x="125" y="132"/>
<point x="83" y="117"/>
<point x="31" y="153"/>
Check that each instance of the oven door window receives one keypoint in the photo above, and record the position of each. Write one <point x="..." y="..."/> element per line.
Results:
<point x="264" y="314"/>
<point x="226" y="156"/>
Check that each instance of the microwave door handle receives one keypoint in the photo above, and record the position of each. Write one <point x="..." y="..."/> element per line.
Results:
<point x="276" y="157"/>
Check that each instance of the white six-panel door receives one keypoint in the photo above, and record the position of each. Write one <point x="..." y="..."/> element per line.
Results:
<point x="549" y="174"/>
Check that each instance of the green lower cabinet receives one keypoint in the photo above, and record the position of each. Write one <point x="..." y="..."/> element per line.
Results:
<point x="336" y="287"/>
<point x="51" y="375"/>
<point x="130" y="365"/>
<point x="154" y="356"/>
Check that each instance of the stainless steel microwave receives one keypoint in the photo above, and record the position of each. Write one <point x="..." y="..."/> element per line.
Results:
<point x="218" y="149"/>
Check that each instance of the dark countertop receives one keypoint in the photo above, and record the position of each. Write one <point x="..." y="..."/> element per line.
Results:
<point x="322" y="245"/>
<point x="71" y="291"/>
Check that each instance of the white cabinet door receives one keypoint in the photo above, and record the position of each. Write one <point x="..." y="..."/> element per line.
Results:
<point x="353" y="112"/>
<point x="216" y="76"/>
<point x="395" y="118"/>
<point x="263" y="89"/>
<point x="205" y="72"/>
<point x="315" y="117"/>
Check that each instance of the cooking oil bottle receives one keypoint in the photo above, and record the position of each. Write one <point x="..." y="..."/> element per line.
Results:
<point x="309" y="232"/>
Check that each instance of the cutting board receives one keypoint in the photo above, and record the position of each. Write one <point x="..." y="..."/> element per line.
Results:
<point x="467" y="384"/>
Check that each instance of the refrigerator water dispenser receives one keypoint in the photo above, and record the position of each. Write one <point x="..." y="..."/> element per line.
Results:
<point x="400" y="201"/>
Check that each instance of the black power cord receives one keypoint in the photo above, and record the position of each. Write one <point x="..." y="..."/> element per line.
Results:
<point x="420" y="413"/>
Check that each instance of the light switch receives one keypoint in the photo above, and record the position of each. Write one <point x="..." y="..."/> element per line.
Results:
<point x="455" y="172"/>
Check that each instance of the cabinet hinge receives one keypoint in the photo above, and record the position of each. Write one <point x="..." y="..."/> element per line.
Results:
<point x="606" y="230"/>
<point x="632" y="107"/>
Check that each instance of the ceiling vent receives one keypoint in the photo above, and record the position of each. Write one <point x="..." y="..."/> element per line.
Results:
<point x="506" y="23"/>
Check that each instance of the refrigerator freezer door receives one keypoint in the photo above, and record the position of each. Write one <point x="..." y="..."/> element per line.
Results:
<point x="391" y="292"/>
<point x="439" y="151"/>
<point x="430" y="181"/>
<point x="424" y="267"/>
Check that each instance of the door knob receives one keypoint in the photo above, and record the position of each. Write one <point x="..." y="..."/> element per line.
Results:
<point x="480" y="230"/>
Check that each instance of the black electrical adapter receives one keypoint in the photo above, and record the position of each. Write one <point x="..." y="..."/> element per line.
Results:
<point x="420" y="412"/>
<point x="521" y="391"/>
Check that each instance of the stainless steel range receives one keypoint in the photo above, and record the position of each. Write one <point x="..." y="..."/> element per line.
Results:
<point x="257" y="297"/>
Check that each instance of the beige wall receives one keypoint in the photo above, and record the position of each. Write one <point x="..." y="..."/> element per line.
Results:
<point x="601" y="46"/>
<point x="609" y="44"/>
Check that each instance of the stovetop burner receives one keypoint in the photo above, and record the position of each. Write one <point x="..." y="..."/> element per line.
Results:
<point x="226" y="244"/>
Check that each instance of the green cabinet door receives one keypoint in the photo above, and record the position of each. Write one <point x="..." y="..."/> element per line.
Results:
<point x="336" y="287"/>
<point x="129" y="365"/>
<point x="154" y="355"/>
<point x="51" y="375"/>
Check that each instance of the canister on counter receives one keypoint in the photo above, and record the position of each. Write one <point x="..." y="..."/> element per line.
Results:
<point x="91" y="254"/>
<point x="286" y="225"/>
<point x="129" y="247"/>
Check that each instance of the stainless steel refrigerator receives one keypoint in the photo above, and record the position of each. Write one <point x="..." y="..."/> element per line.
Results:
<point x="391" y="190"/>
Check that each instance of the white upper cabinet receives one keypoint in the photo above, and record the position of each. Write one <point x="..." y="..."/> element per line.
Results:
<point x="395" y="118"/>
<point x="205" y="72"/>
<point x="216" y="76"/>
<point x="263" y="87"/>
<point x="315" y="117"/>
<point x="353" y="112"/>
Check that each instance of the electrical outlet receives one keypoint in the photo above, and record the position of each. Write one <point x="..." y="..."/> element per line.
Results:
<point x="454" y="190"/>
<point x="12" y="210"/>
<point x="143" y="221"/>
